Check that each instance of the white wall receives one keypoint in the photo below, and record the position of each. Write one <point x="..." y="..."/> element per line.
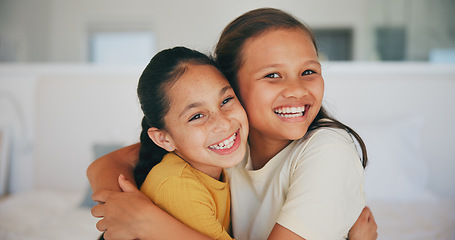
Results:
<point x="75" y="110"/>
<point x="55" y="30"/>
<point x="382" y="97"/>
<point x="58" y="112"/>
<point x="17" y="95"/>
<point x="195" y="24"/>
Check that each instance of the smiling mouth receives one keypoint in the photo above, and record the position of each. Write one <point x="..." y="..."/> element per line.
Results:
<point x="226" y="144"/>
<point x="290" y="112"/>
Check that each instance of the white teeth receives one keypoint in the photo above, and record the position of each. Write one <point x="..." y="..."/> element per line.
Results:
<point x="226" y="144"/>
<point x="291" y="115"/>
<point x="290" y="112"/>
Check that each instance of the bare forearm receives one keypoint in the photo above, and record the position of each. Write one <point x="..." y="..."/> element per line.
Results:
<point x="132" y="215"/>
<point x="103" y="172"/>
<point x="364" y="228"/>
<point x="132" y="208"/>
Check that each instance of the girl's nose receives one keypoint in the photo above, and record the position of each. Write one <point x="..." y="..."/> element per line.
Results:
<point x="294" y="88"/>
<point x="221" y="121"/>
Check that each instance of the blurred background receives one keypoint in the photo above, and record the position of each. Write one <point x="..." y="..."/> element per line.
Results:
<point x="352" y="30"/>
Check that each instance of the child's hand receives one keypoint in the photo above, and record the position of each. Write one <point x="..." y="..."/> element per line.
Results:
<point x="365" y="227"/>
<point x="124" y="213"/>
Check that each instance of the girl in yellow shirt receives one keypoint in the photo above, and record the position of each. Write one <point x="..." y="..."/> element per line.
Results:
<point x="194" y="120"/>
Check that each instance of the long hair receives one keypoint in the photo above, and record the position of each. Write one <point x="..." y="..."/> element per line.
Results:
<point x="228" y="55"/>
<point x="164" y="69"/>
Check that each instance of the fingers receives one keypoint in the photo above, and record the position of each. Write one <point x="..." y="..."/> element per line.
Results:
<point x="100" y="196"/>
<point x="372" y="221"/>
<point x="371" y="218"/>
<point x="101" y="225"/>
<point x="126" y="185"/>
<point x="365" y="214"/>
<point x="98" y="211"/>
<point x="107" y="235"/>
<point x="110" y="235"/>
<point x="365" y="227"/>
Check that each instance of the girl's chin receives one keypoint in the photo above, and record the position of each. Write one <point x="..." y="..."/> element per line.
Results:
<point x="295" y="136"/>
<point x="292" y="131"/>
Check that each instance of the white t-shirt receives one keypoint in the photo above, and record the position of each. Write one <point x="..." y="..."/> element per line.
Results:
<point x="313" y="187"/>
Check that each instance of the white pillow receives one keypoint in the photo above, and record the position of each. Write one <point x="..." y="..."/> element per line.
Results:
<point x="396" y="168"/>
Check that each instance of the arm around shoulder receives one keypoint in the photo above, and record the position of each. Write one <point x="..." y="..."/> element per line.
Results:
<point x="131" y="215"/>
<point x="104" y="171"/>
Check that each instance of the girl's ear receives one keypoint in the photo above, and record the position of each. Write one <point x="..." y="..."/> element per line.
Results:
<point x="161" y="138"/>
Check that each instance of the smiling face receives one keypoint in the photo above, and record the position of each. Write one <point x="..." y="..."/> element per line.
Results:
<point x="280" y="85"/>
<point x="205" y="124"/>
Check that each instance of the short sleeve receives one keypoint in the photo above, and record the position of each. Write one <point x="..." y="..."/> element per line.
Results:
<point x="191" y="203"/>
<point x="325" y="196"/>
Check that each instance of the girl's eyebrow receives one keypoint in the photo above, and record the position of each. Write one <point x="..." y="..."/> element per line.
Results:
<point x="198" y="104"/>
<point x="225" y="89"/>
<point x="190" y="106"/>
<point x="316" y="62"/>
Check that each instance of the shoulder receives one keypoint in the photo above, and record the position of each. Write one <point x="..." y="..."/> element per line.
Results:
<point x="171" y="173"/>
<point x="328" y="136"/>
<point x="174" y="172"/>
<point x="327" y="146"/>
<point x="170" y="165"/>
<point x="321" y="138"/>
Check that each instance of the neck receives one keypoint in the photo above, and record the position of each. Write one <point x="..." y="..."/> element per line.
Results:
<point x="263" y="148"/>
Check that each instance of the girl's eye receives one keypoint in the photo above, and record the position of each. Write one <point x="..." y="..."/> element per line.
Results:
<point x="272" y="75"/>
<point x="195" y="117"/>
<point x="226" y="100"/>
<point x="308" y="72"/>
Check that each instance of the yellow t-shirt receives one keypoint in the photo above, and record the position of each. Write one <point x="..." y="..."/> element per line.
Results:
<point x="193" y="197"/>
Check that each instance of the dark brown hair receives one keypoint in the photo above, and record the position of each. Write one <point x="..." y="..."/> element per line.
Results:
<point x="228" y="55"/>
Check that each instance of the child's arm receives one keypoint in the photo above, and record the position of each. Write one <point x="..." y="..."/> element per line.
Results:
<point x="364" y="228"/>
<point x="132" y="208"/>
<point x="131" y="215"/>
<point x="104" y="171"/>
<point x="135" y="209"/>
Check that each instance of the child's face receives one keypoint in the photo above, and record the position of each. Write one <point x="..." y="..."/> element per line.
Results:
<point x="206" y="122"/>
<point x="280" y="84"/>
